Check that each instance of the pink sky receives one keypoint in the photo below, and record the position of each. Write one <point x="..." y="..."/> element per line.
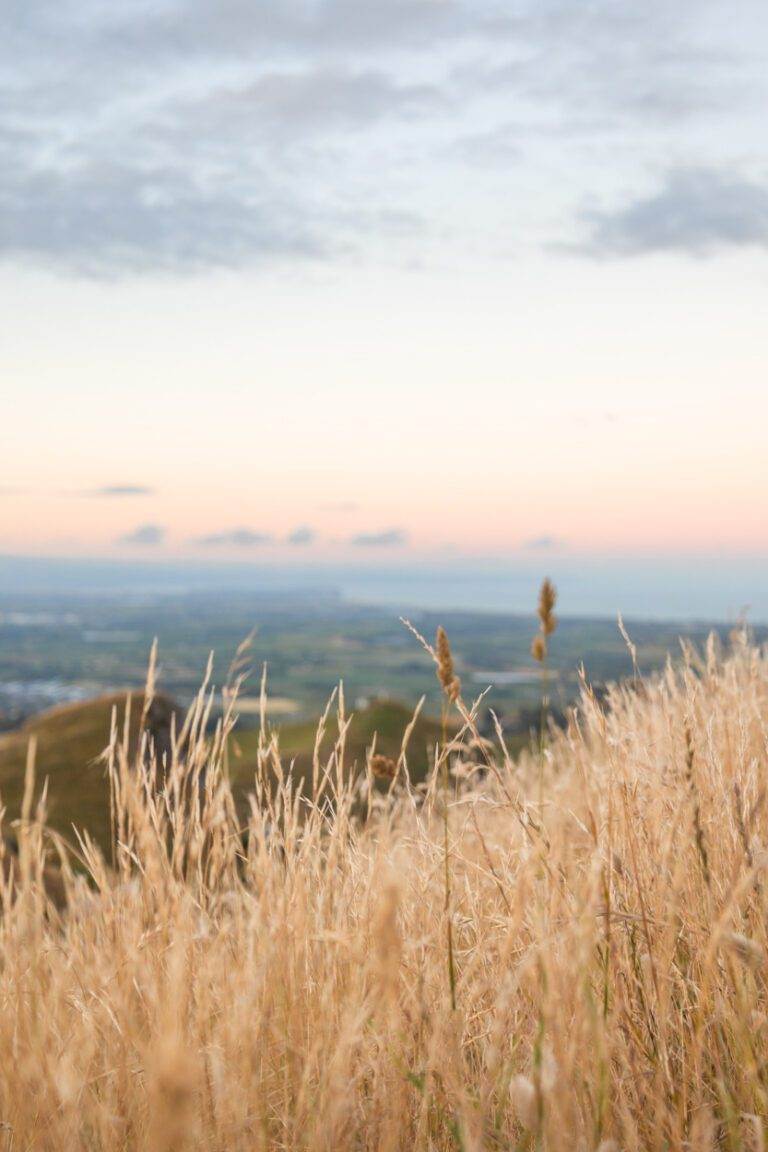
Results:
<point x="611" y="417"/>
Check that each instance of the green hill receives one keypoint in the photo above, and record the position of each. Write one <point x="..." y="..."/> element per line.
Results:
<point x="70" y="740"/>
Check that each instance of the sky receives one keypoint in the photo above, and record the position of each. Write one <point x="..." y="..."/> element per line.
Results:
<point x="356" y="279"/>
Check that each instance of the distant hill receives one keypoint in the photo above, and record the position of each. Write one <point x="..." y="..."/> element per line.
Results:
<point x="71" y="738"/>
<point x="70" y="741"/>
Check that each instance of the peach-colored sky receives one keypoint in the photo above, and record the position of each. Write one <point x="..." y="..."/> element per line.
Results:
<point x="470" y="416"/>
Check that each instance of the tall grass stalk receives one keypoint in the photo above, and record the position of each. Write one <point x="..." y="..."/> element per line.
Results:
<point x="545" y="610"/>
<point x="451" y="686"/>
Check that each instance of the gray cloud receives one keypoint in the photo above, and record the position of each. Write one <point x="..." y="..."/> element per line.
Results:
<point x="544" y="543"/>
<point x="696" y="211"/>
<point x="608" y="65"/>
<point x="120" y="490"/>
<point x="234" y="537"/>
<point x="218" y="158"/>
<point x="104" y="219"/>
<point x="302" y="535"/>
<point x="233" y="133"/>
<point x="299" y="103"/>
<point x="389" y="538"/>
<point x="200" y="29"/>
<point x="146" y="535"/>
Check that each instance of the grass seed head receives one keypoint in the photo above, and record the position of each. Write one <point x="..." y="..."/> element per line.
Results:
<point x="449" y="681"/>
<point x="383" y="767"/>
<point x="546" y="608"/>
<point x="539" y="648"/>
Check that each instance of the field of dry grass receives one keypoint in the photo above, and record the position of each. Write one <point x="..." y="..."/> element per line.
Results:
<point x="563" y="951"/>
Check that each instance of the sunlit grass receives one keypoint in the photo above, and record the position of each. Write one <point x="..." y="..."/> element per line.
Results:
<point x="285" y="982"/>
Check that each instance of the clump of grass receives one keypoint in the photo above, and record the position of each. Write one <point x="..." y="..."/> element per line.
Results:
<point x="279" y="980"/>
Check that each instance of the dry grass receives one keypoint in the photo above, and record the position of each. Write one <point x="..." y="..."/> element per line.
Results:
<point x="287" y="987"/>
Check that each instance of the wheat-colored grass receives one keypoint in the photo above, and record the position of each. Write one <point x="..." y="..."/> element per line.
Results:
<point x="286" y="986"/>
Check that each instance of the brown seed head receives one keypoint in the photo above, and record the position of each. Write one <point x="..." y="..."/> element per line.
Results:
<point x="445" y="672"/>
<point x="539" y="649"/>
<point x="383" y="767"/>
<point x="546" y="609"/>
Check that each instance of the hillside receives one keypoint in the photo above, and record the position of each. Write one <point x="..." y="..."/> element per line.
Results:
<point x="69" y="742"/>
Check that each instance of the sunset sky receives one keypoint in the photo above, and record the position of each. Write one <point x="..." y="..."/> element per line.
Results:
<point x="359" y="278"/>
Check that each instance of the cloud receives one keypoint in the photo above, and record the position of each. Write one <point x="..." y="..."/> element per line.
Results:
<point x="121" y="490"/>
<point x="105" y="218"/>
<point x="204" y="29"/>
<point x="231" y="183"/>
<point x="234" y="538"/>
<point x="146" y="535"/>
<point x="238" y="134"/>
<point x="544" y="543"/>
<point x="389" y="538"/>
<point x="220" y="159"/>
<point x="492" y="147"/>
<point x="302" y="535"/>
<point x="298" y="103"/>
<point x="697" y="211"/>
<point x="587" y="70"/>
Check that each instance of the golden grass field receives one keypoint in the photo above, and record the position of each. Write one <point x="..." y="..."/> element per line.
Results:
<point x="567" y="950"/>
